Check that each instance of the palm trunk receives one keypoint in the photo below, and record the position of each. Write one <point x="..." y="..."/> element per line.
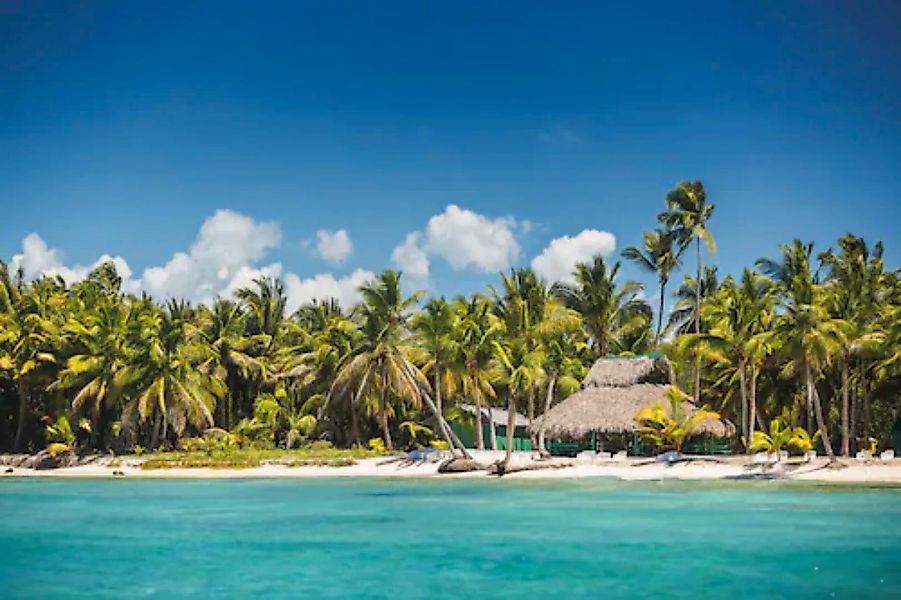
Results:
<point x="854" y="410"/>
<point x="821" y="421"/>
<point x="547" y="407"/>
<point x="743" y="387"/>
<point x="438" y="390"/>
<point x="383" y="414"/>
<point x="602" y="342"/>
<point x="511" y="429"/>
<point x="752" y="400"/>
<point x="23" y="411"/>
<point x="698" y="321"/>
<point x="355" y="402"/>
<point x="532" y="438"/>
<point x="480" y="437"/>
<point x="446" y="432"/>
<point x="866" y="401"/>
<point x="492" y="432"/>
<point x="846" y="446"/>
<point x="660" y="314"/>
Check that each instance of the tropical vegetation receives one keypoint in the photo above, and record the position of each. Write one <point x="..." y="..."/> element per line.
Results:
<point x="802" y="341"/>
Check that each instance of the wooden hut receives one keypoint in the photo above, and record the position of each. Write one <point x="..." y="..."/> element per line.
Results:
<point x="614" y="390"/>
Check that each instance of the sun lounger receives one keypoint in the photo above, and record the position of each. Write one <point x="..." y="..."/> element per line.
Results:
<point x="762" y="458"/>
<point x="585" y="456"/>
<point x="887" y="456"/>
<point x="670" y="457"/>
<point x="620" y="456"/>
<point x="863" y="456"/>
<point x="810" y="456"/>
<point x="604" y="457"/>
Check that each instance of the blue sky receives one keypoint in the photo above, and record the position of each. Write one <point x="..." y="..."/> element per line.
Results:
<point x="125" y="126"/>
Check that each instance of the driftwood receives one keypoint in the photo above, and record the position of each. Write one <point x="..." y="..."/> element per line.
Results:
<point x="460" y="465"/>
<point x="498" y="467"/>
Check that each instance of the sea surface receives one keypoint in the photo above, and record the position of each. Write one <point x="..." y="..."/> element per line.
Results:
<point x="391" y="538"/>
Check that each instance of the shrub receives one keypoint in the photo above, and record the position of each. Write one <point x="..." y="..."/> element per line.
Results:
<point x="377" y="445"/>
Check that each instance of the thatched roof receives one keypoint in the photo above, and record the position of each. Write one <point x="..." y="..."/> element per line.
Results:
<point x="620" y="372"/>
<point x="614" y="391"/>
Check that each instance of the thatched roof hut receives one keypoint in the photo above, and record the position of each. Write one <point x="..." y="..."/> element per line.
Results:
<point x="614" y="390"/>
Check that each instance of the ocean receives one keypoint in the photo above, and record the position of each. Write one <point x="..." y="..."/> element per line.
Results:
<point x="462" y="538"/>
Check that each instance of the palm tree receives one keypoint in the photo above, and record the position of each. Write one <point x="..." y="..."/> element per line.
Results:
<point x="739" y="317"/>
<point x="687" y="214"/>
<point x="659" y="255"/>
<point x="477" y="330"/>
<point x="29" y="338"/>
<point x="434" y="329"/>
<point x="519" y="369"/>
<point x="669" y="427"/>
<point x="164" y="386"/>
<point x="218" y="343"/>
<point x="681" y="319"/>
<point x="855" y="284"/>
<point x="606" y="308"/>
<point x="565" y="370"/>
<point x="804" y="329"/>
<point x="529" y="314"/>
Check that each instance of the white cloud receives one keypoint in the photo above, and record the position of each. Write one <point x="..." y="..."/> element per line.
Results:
<point x="333" y="246"/>
<point x="465" y="239"/>
<point x="324" y="286"/>
<point x="226" y="244"/>
<point x="245" y="276"/>
<point x="38" y="259"/>
<point x="410" y="258"/>
<point x="557" y="261"/>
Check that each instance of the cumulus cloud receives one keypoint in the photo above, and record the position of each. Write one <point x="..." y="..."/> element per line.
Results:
<point x="227" y="243"/>
<point x="557" y="261"/>
<point x="324" y="286"/>
<point x="38" y="259"/>
<point x="333" y="246"/>
<point x="410" y="257"/>
<point x="465" y="239"/>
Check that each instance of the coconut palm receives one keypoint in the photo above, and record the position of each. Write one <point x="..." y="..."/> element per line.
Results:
<point x="434" y="328"/>
<point x="682" y="317"/>
<point x="687" y="215"/>
<point x="805" y="330"/>
<point x="739" y="317"/>
<point x="477" y="330"/>
<point x="855" y="289"/>
<point x="659" y="255"/>
<point x="606" y="308"/>
<point x="781" y="435"/>
<point x="519" y="368"/>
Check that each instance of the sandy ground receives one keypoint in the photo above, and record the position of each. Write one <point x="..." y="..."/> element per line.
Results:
<point x="637" y="469"/>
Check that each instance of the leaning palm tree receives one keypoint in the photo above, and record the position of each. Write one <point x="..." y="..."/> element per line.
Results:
<point x="605" y="307"/>
<point x="687" y="215"/>
<point x="659" y="255"/>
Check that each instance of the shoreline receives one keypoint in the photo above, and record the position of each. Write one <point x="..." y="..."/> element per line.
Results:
<point x="736" y="468"/>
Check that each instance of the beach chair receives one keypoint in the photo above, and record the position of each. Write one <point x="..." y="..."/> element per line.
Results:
<point x="863" y="456"/>
<point x="604" y="457"/>
<point x="810" y="456"/>
<point x="620" y="456"/>
<point x="887" y="456"/>
<point x="762" y="458"/>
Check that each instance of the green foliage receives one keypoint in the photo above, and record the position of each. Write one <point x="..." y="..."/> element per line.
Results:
<point x="668" y="428"/>
<point x="377" y="445"/>
<point x="781" y="436"/>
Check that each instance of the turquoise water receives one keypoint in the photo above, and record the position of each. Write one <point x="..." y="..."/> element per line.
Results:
<point x="446" y="539"/>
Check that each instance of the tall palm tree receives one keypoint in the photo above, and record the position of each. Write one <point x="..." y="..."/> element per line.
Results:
<point x="565" y="370"/>
<point x="529" y="314"/>
<point x="682" y="317"/>
<point x="687" y="214"/>
<point x="739" y="317"/>
<point x="519" y="368"/>
<point x="659" y="255"/>
<point x="605" y="307"/>
<point x="855" y="289"/>
<point x="804" y="329"/>
<point x="478" y="328"/>
<point x="434" y="327"/>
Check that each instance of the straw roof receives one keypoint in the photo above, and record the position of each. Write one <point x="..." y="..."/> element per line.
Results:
<point x="614" y="391"/>
<point x="620" y="372"/>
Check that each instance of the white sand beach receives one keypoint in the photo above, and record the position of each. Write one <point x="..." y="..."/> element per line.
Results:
<point x="630" y="469"/>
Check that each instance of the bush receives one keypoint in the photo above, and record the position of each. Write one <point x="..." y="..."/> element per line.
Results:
<point x="377" y="445"/>
<point x="320" y="445"/>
